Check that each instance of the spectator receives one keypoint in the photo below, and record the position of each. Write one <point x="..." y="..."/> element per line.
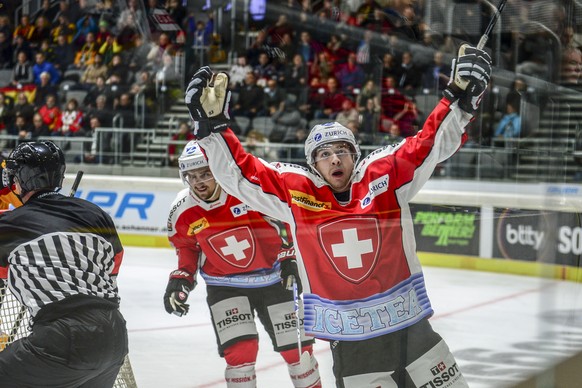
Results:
<point x="331" y="100"/>
<point x="94" y="152"/>
<point x="571" y="66"/>
<point x="46" y="88"/>
<point x="39" y="128"/>
<point x="125" y="108"/>
<point x="64" y="54"/>
<point x="389" y="66"/>
<point x="178" y="141"/>
<point x="408" y="118"/>
<point x="22" y="45"/>
<point x="306" y="47"/>
<point x="71" y="120"/>
<point x="238" y="71"/>
<point x="274" y="97"/>
<point x="6" y="119"/>
<point x="436" y="76"/>
<point x="168" y="81"/>
<point x="256" y="48"/>
<point x="113" y="89"/>
<point x="93" y="72"/>
<point x="23" y="107"/>
<point x="6" y="51"/>
<point x="351" y="75"/>
<point x="42" y="30"/>
<point x="364" y="52"/>
<point x="287" y="49"/>
<point x="103" y="33"/>
<point x="86" y="26"/>
<point x="366" y="10"/>
<point x="275" y="32"/>
<point x="264" y="70"/>
<point x="391" y="100"/>
<point x="250" y="98"/>
<point x="21" y="128"/>
<point x="109" y="49"/>
<point x="46" y="10"/>
<point x="48" y="49"/>
<point x="22" y="73"/>
<point x="348" y="113"/>
<point x="322" y="67"/>
<point x="144" y="84"/>
<point x="369" y="91"/>
<point x="393" y="136"/>
<point x="101" y="109"/>
<point x="85" y="55"/>
<point x="156" y="55"/>
<point x="408" y="75"/>
<point x="43" y="66"/>
<point x="51" y="114"/>
<point x="6" y="26"/>
<point x="118" y="67"/>
<point x="509" y="126"/>
<point x="65" y="28"/>
<point x="98" y="88"/>
<point x="369" y="120"/>
<point x="295" y="76"/>
<point x="24" y="29"/>
<point x="136" y="55"/>
<point x="177" y="11"/>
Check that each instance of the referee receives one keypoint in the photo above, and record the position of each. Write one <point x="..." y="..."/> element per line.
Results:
<point x="63" y="254"/>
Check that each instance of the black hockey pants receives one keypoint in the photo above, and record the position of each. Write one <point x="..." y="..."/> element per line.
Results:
<point x="85" y="349"/>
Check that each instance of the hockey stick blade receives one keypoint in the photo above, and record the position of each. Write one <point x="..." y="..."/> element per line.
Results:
<point x="492" y="22"/>
<point x="296" y="300"/>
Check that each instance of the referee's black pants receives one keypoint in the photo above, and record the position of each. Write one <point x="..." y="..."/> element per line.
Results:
<point x="84" y="349"/>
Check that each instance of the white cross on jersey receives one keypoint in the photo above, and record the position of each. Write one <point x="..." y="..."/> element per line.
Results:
<point x="235" y="248"/>
<point x="352" y="248"/>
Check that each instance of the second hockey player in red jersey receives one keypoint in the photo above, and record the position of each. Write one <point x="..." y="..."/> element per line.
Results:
<point x="235" y="250"/>
<point x="351" y="224"/>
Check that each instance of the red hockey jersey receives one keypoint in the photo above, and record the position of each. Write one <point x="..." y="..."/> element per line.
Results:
<point x="228" y="242"/>
<point x="360" y="272"/>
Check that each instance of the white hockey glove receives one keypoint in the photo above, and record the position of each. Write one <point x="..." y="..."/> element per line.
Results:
<point x="177" y="292"/>
<point x="289" y="270"/>
<point x="470" y="74"/>
<point x="208" y="98"/>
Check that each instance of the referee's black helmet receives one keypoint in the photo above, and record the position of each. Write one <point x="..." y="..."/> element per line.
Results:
<point x="36" y="166"/>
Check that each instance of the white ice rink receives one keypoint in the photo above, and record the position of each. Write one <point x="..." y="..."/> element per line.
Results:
<point x="501" y="328"/>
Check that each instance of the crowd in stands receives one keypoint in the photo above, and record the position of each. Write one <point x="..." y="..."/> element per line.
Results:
<point x="97" y="50"/>
<point x="354" y="61"/>
<point x="359" y="63"/>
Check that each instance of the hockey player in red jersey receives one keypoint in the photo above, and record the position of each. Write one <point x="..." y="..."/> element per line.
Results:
<point x="235" y="250"/>
<point x="350" y="219"/>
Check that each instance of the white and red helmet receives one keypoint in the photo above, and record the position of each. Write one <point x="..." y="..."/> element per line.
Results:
<point x="191" y="158"/>
<point x="326" y="133"/>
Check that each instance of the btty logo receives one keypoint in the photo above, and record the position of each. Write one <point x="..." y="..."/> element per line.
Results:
<point x="230" y="312"/>
<point x="435" y="370"/>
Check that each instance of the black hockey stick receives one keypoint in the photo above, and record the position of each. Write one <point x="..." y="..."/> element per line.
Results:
<point x="492" y="22"/>
<point x="76" y="183"/>
<point x="22" y="312"/>
<point x="482" y="42"/>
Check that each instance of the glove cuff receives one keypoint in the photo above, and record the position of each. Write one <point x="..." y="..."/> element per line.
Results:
<point x="204" y="128"/>
<point x="185" y="276"/>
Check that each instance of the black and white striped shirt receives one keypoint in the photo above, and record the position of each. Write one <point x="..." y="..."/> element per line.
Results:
<point x="58" y="247"/>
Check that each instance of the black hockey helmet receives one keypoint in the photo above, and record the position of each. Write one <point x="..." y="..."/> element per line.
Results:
<point x="36" y="166"/>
